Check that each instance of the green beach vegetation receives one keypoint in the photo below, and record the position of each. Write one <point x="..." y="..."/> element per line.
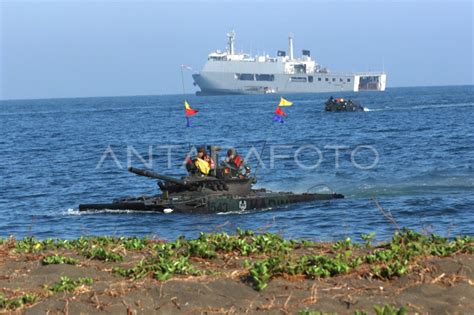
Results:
<point x="16" y="302"/>
<point x="59" y="260"/>
<point x="66" y="284"/>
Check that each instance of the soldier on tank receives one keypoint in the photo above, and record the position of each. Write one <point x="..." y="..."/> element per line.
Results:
<point x="235" y="166"/>
<point x="202" y="164"/>
<point x="200" y="161"/>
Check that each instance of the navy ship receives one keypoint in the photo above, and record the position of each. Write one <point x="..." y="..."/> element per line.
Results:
<point x="229" y="72"/>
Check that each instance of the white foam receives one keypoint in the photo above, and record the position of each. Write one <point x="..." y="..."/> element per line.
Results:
<point x="72" y="211"/>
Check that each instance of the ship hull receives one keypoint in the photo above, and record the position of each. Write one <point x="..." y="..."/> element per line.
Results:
<point x="218" y="83"/>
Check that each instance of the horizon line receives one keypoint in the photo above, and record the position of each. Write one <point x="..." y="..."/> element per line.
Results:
<point x="194" y="94"/>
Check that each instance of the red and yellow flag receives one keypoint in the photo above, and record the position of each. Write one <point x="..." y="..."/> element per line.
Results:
<point x="189" y="111"/>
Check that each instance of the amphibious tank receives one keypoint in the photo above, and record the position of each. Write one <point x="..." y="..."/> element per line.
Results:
<point x="342" y="105"/>
<point x="206" y="194"/>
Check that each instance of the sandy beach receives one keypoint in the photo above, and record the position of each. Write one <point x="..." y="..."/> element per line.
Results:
<point x="140" y="276"/>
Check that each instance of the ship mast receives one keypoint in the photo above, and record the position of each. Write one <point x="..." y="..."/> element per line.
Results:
<point x="290" y="46"/>
<point x="230" y="43"/>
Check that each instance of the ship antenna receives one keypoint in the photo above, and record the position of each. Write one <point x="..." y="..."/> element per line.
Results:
<point x="182" y="81"/>
<point x="182" y="76"/>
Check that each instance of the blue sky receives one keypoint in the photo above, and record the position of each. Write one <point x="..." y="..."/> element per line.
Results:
<point x="88" y="48"/>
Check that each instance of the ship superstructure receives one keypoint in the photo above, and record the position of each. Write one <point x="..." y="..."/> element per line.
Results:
<point x="228" y="72"/>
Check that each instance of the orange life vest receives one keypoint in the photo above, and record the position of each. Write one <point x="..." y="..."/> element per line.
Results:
<point x="237" y="161"/>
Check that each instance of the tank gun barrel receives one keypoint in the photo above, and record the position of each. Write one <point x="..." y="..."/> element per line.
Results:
<point x="152" y="174"/>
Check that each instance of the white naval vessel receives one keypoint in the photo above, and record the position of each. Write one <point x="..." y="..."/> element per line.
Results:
<point x="228" y="72"/>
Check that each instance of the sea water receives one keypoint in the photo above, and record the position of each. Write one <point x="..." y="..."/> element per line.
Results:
<point x="409" y="155"/>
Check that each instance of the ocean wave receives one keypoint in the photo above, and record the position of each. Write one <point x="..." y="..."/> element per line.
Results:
<point x="410" y="187"/>
<point x="417" y="107"/>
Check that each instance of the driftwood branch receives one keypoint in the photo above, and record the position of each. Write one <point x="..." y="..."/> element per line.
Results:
<point x="386" y="213"/>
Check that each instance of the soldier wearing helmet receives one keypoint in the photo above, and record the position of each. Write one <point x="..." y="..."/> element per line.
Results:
<point x="235" y="165"/>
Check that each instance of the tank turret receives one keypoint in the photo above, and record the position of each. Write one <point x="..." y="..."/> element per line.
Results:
<point x="194" y="183"/>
